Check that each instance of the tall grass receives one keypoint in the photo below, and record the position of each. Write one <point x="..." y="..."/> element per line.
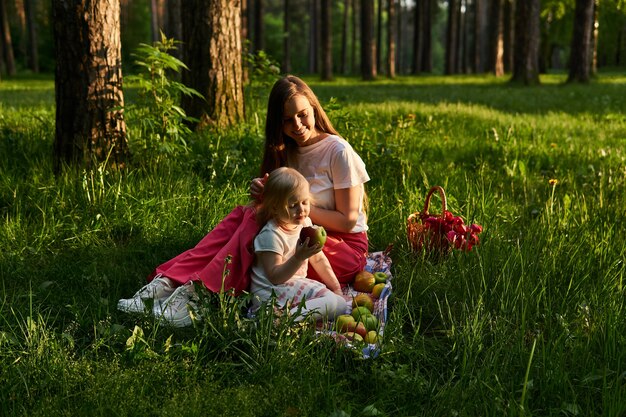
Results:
<point x="532" y="322"/>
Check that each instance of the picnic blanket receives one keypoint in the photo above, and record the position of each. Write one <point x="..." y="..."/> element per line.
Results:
<point x="376" y="262"/>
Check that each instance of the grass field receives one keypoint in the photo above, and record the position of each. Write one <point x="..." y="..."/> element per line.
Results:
<point x="532" y="322"/>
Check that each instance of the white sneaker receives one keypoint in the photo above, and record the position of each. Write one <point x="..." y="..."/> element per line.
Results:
<point x="178" y="309"/>
<point x="157" y="289"/>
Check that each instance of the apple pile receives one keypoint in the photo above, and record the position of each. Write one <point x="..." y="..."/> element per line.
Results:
<point x="457" y="233"/>
<point x="361" y="326"/>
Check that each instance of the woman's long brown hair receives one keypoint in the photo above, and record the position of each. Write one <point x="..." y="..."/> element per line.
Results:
<point x="278" y="146"/>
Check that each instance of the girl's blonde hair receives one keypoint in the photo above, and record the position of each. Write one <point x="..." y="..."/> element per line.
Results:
<point x="280" y="186"/>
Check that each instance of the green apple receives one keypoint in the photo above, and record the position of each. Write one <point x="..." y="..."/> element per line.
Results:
<point x="355" y="337"/>
<point x="359" y="312"/>
<point x="370" y="322"/>
<point x="371" y="337"/>
<point x="343" y="321"/>
<point x="316" y="235"/>
<point x="380" y="277"/>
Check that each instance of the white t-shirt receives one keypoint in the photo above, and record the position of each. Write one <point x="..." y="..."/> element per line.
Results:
<point x="273" y="238"/>
<point x="328" y="165"/>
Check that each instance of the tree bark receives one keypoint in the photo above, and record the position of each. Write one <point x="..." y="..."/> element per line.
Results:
<point x="212" y="51"/>
<point x="368" y="70"/>
<point x="526" y="52"/>
<point x="497" y="46"/>
<point x="31" y="27"/>
<point x="327" y="50"/>
<point x="581" y="46"/>
<point x="379" y="33"/>
<point x="286" y="38"/>
<point x="259" y="25"/>
<point x="344" y="37"/>
<point x="427" y="23"/>
<point x="451" y="38"/>
<point x="418" y="36"/>
<point x="90" y="125"/>
<point x="509" y="34"/>
<point x="391" y="38"/>
<point x="5" y="40"/>
<point x="174" y="25"/>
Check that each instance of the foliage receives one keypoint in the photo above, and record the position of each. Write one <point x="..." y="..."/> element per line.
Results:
<point x="163" y="124"/>
<point x="530" y="322"/>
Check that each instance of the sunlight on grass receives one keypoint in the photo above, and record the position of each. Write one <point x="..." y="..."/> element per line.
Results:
<point x="531" y="322"/>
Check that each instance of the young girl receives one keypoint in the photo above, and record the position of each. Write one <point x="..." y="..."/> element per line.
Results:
<point x="281" y="262"/>
<point x="298" y="134"/>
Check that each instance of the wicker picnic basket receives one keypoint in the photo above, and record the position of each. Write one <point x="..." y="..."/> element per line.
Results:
<point x="426" y="235"/>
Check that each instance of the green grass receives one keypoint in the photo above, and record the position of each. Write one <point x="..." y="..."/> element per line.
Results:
<point x="530" y="323"/>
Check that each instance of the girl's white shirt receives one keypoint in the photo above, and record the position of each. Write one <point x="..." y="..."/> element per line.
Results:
<point x="328" y="165"/>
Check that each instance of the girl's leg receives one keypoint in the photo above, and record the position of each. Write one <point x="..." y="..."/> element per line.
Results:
<point x="328" y="306"/>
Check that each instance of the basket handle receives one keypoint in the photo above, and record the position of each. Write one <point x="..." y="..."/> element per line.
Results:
<point x="442" y="194"/>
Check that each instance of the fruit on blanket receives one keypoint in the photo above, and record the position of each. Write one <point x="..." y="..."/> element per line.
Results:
<point x="343" y="321"/>
<point x="355" y="337"/>
<point x="316" y="235"/>
<point x="377" y="290"/>
<point x="371" y="337"/>
<point x="370" y="322"/>
<point x="380" y="277"/>
<point x="364" y="281"/>
<point x="363" y="300"/>
<point x="359" y="312"/>
<point x="358" y="328"/>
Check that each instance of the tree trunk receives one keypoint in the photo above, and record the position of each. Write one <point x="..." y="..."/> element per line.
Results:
<point x="31" y="25"/>
<point x="327" y="45"/>
<point x="286" y="38"/>
<point x="368" y="70"/>
<point x="5" y="40"/>
<point x="379" y="33"/>
<point x="526" y="52"/>
<point x="509" y="34"/>
<point x="313" y="38"/>
<point x="154" y="20"/>
<point x="259" y="25"/>
<point x="90" y="126"/>
<point x="451" y="38"/>
<point x="497" y="47"/>
<point x="427" y="23"/>
<point x="245" y="38"/>
<point x="596" y="33"/>
<point x="581" y="49"/>
<point x="391" y="38"/>
<point x="344" y="37"/>
<point x="212" y="51"/>
<point x="355" y="31"/>
<point x="174" y="25"/>
<point x="418" y="35"/>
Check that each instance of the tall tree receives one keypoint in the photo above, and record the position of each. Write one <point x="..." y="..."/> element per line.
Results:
<point x="379" y="32"/>
<point x="212" y="51"/>
<point x="479" y="29"/>
<point x="418" y="36"/>
<point x="368" y="68"/>
<point x="526" y="44"/>
<point x="344" y="37"/>
<point x="327" y="40"/>
<point x="313" y="36"/>
<point x="497" y="45"/>
<point x="88" y="83"/>
<point x="174" y="24"/>
<point x="452" y="37"/>
<point x="509" y="34"/>
<point x="286" y="37"/>
<point x="391" y="38"/>
<point x="427" y="42"/>
<point x="582" y="42"/>
<point x="6" y="44"/>
<point x="259" y="25"/>
<point x="31" y="27"/>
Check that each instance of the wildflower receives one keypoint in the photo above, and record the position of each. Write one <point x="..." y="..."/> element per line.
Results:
<point x="553" y="181"/>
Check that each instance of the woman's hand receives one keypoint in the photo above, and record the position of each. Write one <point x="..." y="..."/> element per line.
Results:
<point x="256" y="187"/>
